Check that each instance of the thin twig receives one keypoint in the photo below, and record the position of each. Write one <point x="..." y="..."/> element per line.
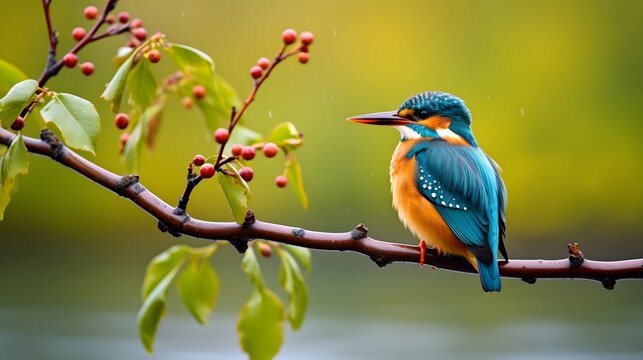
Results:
<point x="53" y="68"/>
<point x="236" y="115"/>
<point x="53" y="37"/>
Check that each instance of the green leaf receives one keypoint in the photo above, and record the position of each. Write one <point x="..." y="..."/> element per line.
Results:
<point x="154" y="308"/>
<point x="198" y="68"/>
<point x="236" y="192"/>
<point x="244" y="136"/>
<point x="9" y="76"/>
<point x="217" y="104"/>
<point x="17" y="99"/>
<point x="291" y="279"/>
<point x="5" y="197"/>
<point x="301" y="254"/>
<point x="293" y="173"/>
<point x="141" y="131"/>
<point x="114" y="90"/>
<point x="141" y="85"/>
<point x="261" y="325"/>
<point x="76" y="118"/>
<point x="226" y="96"/>
<point x="159" y="268"/>
<point x="250" y="266"/>
<point x="285" y="135"/>
<point x="122" y="54"/>
<point x="14" y="161"/>
<point x="189" y="59"/>
<point x="134" y="146"/>
<point x="199" y="288"/>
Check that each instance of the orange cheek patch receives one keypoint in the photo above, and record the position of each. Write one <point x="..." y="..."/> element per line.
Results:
<point x="406" y="113"/>
<point x="437" y="122"/>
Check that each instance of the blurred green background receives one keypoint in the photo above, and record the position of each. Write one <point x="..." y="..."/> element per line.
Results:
<point x="555" y="90"/>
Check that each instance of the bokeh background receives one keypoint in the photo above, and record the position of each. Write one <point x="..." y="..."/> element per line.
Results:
<point x="555" y="89"/>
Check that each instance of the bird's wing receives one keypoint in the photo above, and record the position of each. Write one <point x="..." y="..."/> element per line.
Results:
<point x="460" y="182"/>
<point x="502" y="203"/>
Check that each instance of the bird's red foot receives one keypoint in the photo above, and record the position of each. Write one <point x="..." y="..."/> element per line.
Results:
<point x="422" y="246"/>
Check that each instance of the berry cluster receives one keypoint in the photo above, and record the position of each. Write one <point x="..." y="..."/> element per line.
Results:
<point x="247" y="153"/>
<point x="259" y="72"/>
<point x="289" y="37"/>
<point x="139" y="34"/>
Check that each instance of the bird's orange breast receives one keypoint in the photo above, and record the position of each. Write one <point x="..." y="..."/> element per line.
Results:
<point x="416" y="212"/>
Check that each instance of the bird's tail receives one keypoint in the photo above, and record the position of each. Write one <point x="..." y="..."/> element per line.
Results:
<point x="489" y="275"/>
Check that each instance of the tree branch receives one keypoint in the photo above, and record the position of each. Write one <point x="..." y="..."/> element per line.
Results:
<point x="383" y="253"/>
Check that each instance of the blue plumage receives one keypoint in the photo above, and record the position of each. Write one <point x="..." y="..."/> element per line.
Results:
<point x="465" y="192"/>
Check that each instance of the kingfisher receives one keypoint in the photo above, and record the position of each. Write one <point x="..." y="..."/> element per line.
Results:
<point x="445" y="188"/>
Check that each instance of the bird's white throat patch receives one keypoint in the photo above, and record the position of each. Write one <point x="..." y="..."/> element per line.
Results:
<point x="406" y="132"/>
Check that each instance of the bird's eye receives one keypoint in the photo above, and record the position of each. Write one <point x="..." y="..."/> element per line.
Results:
<point x="423" y="114"/>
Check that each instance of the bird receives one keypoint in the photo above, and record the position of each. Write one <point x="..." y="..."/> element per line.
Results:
<point x="446" y="189"/>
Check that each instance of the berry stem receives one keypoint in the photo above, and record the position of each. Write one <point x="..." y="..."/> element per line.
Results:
<point x="27" y="110"/>
<point x="53" y="37"/>
<point x="53" y="67"/>
<point x="192" y="182"/>
<point x="227" y="160"/>
<point x="235" y="116"/>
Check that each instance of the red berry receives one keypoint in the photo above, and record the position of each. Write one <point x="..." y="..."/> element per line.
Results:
<point x="207" y="171"/>
<point x="248" y="152"/>
<point x="198" y="160"/>
<point x="246" y="173"/>
<point x="221" y="135"/>
<point x="187" y="102"/>
<point x="198" y="91"/>
<point x="121" y="120"/>
<point x="78" y="33"/>
<point x="263" y="63"/>
<point x="91" y="12"/>
<point x="133" y="43"/>
<point x="110" y="19"/>
<point x="140" y="33"/>
<point x="154" y="55"/>
<point x="289" y="36"/>
<point x="236" y="149"/>
<point x="123" y="139"/>
<point x="303" y="57"/>
<point x="281" y="181"/>
<point x="307" y="38"/>
<point x="270" y="150"/>
<point x="136" y="23"/>
<point x="123" y="17"/>
<point x="87" y="68"/>
<point x="256" y="72"/>
<point x="264" y="249"/>
<point x="18" y="124"/>
<point x="70" y="60"/>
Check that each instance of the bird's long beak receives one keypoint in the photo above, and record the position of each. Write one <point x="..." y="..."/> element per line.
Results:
<point x="381" y="118"/>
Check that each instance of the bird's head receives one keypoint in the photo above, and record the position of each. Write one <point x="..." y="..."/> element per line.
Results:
<point x="431" y="114"/>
